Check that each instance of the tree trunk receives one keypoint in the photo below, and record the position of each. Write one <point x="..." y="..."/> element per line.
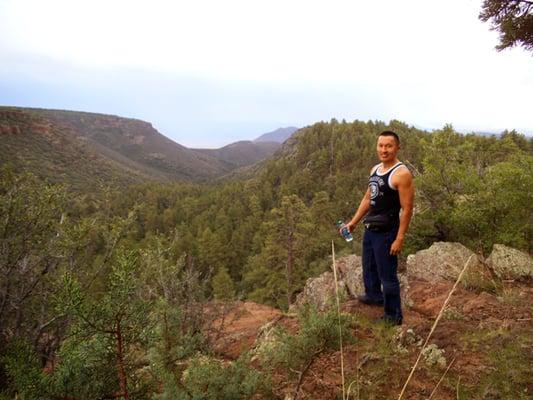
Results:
<point x="290" y="264"/>
<point x="120" y="362"/>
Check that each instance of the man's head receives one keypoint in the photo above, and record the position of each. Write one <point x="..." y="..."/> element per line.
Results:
<point x="388" y="146"/>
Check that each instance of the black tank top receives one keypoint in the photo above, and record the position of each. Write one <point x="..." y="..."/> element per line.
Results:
<point x="384" y="200"/>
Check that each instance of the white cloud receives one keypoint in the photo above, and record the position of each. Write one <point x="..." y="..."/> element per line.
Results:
<point x="425" y="62"/>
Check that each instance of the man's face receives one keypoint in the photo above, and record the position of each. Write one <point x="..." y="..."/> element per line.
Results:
<point x="387" y="148"/>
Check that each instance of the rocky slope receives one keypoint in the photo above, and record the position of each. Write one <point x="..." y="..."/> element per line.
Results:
<point x="484" y="334"/>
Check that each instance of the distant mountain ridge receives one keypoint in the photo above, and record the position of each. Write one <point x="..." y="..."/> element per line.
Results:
<point x="87" y="147"/>
<point x="279" y="135"/>
<point x="242" y="153"/>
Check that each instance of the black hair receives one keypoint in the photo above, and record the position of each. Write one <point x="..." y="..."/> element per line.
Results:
<point x="391" y="133"/>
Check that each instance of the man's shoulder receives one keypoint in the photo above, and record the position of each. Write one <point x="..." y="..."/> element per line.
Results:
<point x="374" y="168"/>
<point x="402" y="169"/>
<point x="402" y="176"/>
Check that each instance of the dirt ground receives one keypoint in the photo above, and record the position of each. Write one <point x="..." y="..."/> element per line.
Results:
<point x="477" y="332"/>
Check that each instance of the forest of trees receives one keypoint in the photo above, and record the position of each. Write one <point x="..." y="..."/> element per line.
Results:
<point x="91" y="284"/>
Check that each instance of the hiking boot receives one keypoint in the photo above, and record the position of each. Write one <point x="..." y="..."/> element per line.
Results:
<point x="368" y="301"/>
<point x="388" y="320"/>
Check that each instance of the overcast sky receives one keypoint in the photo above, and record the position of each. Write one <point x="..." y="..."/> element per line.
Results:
<point x="206" y="73"/>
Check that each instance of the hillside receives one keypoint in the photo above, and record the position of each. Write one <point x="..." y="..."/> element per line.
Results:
<point x="148" y="263"/>
<point x="34" y="143"/>
<point x="83" y="148"/>
<point x="279" y="135"/>
<point x="130" y="143"/>
<point x="242" y="153"/>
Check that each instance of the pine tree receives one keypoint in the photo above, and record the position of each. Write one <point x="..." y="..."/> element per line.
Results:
<point x="223" y="287"/>
<point x="98" y="357"/>
<point x="280" y="267"/>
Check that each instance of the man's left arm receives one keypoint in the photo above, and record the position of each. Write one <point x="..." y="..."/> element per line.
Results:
<point x="403" y="180"/>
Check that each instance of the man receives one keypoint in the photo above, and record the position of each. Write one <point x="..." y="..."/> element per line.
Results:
<point x="390" y="189"/>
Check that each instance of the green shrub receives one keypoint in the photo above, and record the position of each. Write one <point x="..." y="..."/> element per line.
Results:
<point x="212" y="379"/>
<point x="318" y="333"/>
<point x="23" y="371"/>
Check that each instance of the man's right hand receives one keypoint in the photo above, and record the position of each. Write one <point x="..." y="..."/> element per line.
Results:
<point x="350" y="226"/>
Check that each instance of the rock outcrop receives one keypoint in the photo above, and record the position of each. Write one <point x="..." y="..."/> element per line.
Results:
<point x="509" y="263"/>
<point x="351" y="273"/>
<point x="443" y="260"/>
<point x="319" y="291"/>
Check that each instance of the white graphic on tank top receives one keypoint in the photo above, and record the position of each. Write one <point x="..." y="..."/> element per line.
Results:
<point x="374" y="189"/>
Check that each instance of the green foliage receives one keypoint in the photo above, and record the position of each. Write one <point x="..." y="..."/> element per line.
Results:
<point x="508" y="355"/>
<point x="318" y="333"/>
<point x="512" y="19"/>
<point x="24" y="371"/>
<point x="223" y="288"/>
<point x="466" y="198"/>
<point x="211" y="379"/>
<point x="283" y="258"/>
<point x="178" y="364"/>
<point x="173" y="344"/>
<point x="69" y="270"/>
<point x="86" y="368"/>
<point x="106" y="331"/>
<point x="31" y="248"/>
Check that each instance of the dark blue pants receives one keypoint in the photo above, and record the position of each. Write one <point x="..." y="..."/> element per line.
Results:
<point x="380" y="269"/>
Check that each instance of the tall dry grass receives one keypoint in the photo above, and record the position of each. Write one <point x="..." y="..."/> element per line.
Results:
<point x="434" y="326"/>
<point x="339" y="316"/>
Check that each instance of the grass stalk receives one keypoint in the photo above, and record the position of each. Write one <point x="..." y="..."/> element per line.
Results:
<point x="434" y="326"/>
<point x="339" y="316"/>
<point x="356" y="381"/>
<point x="441" y="379"/>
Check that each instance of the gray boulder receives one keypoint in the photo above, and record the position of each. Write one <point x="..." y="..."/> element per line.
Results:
<point x="351" y="273"/>
<point x="509" y="263"/>
<point x="443" y="260"/>
<point x="319" y="291"/>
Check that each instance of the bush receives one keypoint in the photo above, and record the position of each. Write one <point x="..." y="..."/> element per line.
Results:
<point x="212" y="379"/>
<point x="318" y="333"/>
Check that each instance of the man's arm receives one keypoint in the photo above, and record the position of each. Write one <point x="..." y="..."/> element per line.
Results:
<point x="364" y="207"/>
<point x="403" y="181"/>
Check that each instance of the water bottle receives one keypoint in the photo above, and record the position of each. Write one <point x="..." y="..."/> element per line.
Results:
<point x="345" y="232"/>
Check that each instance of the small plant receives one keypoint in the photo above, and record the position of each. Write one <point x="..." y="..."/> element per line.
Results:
<point x="318" y="333"/>
<point x="211" y="379"/>
<point x="479" y="279"/>
<point x="452" y="314"/>
<point x="406" y="338"/>
<point x="434" y="356"/>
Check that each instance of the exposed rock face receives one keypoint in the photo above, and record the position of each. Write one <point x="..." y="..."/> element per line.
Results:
<point x="9" y="129"/>
<point x="319" y="291"/>
<point x="443" y="260"/>
<point x="351" y="272"/>
<point x="509" y="263"/>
